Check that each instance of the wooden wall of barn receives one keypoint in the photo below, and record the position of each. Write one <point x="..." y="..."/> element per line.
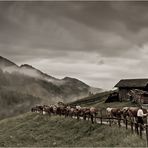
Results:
<point x="144" y="99"/>
<point x="123" y="93"/>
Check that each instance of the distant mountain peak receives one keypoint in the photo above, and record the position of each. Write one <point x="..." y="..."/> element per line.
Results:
<point x="68" y="78"/>
<point x="40" y="73"/>
<point x="74" y="81"/>
<point x="27" y="65"/>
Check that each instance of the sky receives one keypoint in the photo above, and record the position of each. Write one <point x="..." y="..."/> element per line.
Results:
<point x="96" y="42"/>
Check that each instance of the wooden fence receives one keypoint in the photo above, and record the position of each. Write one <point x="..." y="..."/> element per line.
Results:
<point x="139" y="129"/>
<point x="102" y="118"/>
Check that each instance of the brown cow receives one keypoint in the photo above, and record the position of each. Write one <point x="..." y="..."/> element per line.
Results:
<point x="124" y="112"/>
<point x="34" y="109"/>
<point x="47" y="110"/>
<point x="85" y="111"/>
<point x="114" y="113"/>
<point x="93" y="113"/>
<point x="77" y="112"/>
<point x="132" y="113"/>
<point x="71" y="111"/>
<point x="89" y="112"/>
<point x="62" y="109"/>
<point x="37" y="109"/>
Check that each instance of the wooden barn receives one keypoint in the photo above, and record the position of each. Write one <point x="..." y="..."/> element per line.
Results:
<point x="126" y="85"/>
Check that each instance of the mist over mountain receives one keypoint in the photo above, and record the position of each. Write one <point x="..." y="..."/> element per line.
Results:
<point x="24" y="86"/>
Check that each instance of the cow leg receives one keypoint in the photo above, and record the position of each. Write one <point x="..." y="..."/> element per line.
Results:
<point x="77" y="117"/>
<point x="95" y="117"/>
<point x="112" y="120"/>
<point x="49" y="113"/>
<point x="89" y="116"/>
<point x="84" y="116"/>
<point x="92" y="121"/>
<point x="65" y="114"/>
<point x="71" y="115"/>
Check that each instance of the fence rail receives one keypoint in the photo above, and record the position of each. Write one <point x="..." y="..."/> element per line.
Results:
<point x="135" y="127"/>
<point x="139" y="129"/>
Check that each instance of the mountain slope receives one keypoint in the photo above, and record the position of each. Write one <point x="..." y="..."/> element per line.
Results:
<point x="35" y="130"/>
<point x="49" y="92"/>
<point x="34" y="82"/>
<point x="30" y="83"/>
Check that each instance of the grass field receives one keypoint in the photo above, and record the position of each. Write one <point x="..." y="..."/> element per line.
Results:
<point x="35" y="130"/>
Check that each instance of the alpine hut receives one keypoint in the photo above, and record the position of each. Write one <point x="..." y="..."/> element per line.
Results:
<point x="126" y="85"/>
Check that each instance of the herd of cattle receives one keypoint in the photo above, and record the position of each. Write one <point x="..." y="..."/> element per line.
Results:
<point x="129" y="113"/>
<point x="67" y="110"/>
<point x="126" y="113"/>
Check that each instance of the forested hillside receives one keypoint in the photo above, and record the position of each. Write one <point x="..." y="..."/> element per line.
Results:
<point x="24" y="86"/>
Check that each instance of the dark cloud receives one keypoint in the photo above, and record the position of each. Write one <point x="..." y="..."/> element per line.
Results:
<point x="85" y="33"/>
<point x="69" y="25"/>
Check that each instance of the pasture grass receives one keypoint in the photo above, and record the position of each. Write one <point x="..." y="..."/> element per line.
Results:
<point x="35" y="130"/>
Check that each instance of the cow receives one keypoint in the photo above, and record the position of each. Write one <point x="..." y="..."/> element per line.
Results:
<point x="54" y="109"/>
<point x="90" y="112"/>
<point x="132" y="113"/>
<point x="93" y="113"/>
<point x="67" y="111"/>
<point x="77" y="111"/>
<point x="85" y="111"/>
<point x="34" y="109"/>
<point x="124" y="112"/>
<point x="37" y="109"/>
<point x="113" y="113"/>
<point x="71" y="111"/>
<point x="62" y="109"/>
<point x="47" y="110"/>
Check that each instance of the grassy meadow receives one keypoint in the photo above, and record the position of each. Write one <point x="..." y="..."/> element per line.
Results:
<point x="36" y="130"/>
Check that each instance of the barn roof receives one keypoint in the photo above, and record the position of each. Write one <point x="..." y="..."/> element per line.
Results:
<point x="132" y="83"/>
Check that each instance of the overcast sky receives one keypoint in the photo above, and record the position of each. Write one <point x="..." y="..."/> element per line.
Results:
<point x="96" y="42"/>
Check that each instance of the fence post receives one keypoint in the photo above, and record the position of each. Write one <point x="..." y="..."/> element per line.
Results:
<point x="101" y="116"/>
<point x="109" y="121"/>
<point x="132" y="126"/>
<point x="146" y="135"/>
<point x="141" y="128"/>
<point x="136" y="128"/>
<point x="119" y="122"/>
<point x="126" y="123"/>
